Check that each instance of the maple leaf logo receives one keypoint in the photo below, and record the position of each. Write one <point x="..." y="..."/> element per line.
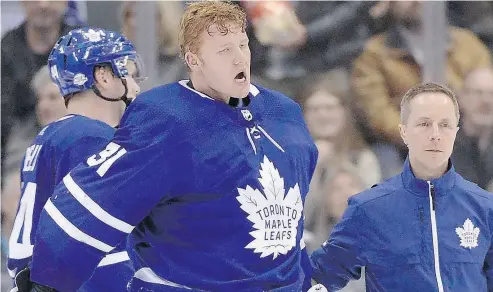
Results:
<point x="274" y="213"/>
<point x="468" y="234"/>
<point x="94" y="35"/>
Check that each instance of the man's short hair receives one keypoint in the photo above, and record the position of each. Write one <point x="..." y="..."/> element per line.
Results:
<point x="199" y="16"/>
<point x="429" y="87"/>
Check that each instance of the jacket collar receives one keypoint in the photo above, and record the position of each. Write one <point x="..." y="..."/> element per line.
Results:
<point x="420" y="187"/>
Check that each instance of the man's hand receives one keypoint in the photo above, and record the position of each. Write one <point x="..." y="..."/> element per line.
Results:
<point x="23" y="283"/>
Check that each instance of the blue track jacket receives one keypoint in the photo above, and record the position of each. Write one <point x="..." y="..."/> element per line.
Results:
<point x="413" y="235"/>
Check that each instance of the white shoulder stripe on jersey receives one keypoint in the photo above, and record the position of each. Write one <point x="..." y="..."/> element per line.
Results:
<point x="148" y="275"/>
<point x="114" y="258"/>
<point x="94" y="208"/>
<point x="73" y="231"/>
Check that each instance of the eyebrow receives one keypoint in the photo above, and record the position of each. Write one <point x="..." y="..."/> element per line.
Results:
<point x="245" y="40"/>
<point x="428" y="119"/>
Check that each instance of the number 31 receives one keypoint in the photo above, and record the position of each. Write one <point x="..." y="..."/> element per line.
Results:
<point x="106" y="158"/>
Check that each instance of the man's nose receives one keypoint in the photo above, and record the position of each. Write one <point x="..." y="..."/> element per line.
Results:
<point x="435" y="132"/>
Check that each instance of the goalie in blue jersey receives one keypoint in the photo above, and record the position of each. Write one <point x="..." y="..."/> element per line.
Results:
<point x="96" y="72"/>
<point x="205" y="180"/>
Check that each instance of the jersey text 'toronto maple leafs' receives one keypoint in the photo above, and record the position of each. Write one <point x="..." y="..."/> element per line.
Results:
<point x="274" y="214"/>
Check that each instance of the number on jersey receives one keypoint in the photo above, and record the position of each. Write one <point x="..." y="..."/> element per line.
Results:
<point x="23" y="221"/>
<point x="31" y="157"/>
<point x="106" y="157"/>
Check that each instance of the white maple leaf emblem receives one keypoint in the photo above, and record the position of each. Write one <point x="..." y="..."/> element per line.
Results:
<point x="94" y="35"/>
<point x="274" y="213"/>
<point x="468" y="234"/>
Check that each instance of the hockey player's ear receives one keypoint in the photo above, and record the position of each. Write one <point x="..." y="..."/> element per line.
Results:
<point x="402" y="131"/>
<point x="192" y="60"/>
<point x="102" y="76"/>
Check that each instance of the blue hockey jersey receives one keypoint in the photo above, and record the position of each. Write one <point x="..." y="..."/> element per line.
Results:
<point x="57" y="149"/>
<point x="211" y="195"/>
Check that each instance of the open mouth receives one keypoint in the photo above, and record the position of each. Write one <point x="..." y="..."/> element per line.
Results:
<point x="240" y="77"/>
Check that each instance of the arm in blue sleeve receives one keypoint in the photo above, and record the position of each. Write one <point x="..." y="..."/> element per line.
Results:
<point x="340" y="258"/>
<point x="35" y="194"/>
<point x="101" y="200"/>
<point x="488" y="267"/>
<point x="307" y="269"/>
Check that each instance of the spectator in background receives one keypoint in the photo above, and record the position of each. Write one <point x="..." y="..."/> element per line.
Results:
<point x="330" y="121"/>
<point x="171" y="67"/>
<point x="392" y="62"/>
<point x="331" y="124"/>
<point x="49" y="107"/>
<point x="25" y="50"/>
<point x="72" y="13"/>
<point x="340" y="183"/>
<point x="474" y="15"/>
<point x="291" y="41"/>
<point x="473" y="153"/>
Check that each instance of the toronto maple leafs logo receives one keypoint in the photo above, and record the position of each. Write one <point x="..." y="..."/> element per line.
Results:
<point x="274" y="213"/>
<point x="468" y="234"/>
<point x="94" y="35"/>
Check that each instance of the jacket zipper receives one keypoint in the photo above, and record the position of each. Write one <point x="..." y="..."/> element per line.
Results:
<point x="431" y="194"/>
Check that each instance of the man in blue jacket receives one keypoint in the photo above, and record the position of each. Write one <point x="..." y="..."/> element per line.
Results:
<point x="426" y="229"/>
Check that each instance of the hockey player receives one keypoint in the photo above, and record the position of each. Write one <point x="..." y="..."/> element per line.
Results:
<point x="207" y="178"/>
<point x="96" y="72"/>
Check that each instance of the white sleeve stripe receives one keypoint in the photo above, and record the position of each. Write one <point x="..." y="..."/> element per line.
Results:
<point x="94" y="208"/>
<point x="12" y="273"/>
<point x="114" y="258"/>
<point x="73" y="231"/>
<point x="20" y="251"/>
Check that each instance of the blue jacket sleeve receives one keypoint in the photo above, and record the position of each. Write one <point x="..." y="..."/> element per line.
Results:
<point x="340" y="258"/>
<point x="488" y="264"/>
<point x="307" y="269"/>
<point x="101" y="200"/>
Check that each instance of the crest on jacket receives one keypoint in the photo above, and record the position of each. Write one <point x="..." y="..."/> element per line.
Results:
<point x="468" y="234"/>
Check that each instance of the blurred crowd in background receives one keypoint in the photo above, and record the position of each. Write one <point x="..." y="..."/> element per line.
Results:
<point x="347" y="63"/>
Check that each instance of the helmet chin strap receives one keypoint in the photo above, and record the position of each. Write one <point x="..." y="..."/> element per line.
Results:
<point x="124" y="97"/>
